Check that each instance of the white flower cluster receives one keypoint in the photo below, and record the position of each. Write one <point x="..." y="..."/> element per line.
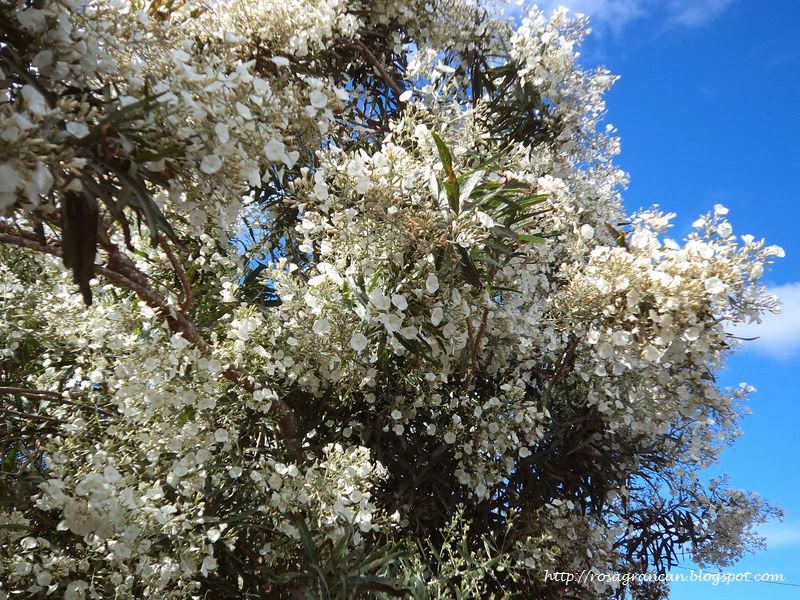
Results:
<point x="460" y="319"/>
<point x="220" y="121"/>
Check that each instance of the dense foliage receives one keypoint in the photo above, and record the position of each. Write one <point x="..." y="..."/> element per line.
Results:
<point x="337" y="297"/>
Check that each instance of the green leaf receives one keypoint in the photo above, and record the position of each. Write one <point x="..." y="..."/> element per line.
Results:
<point x="471" y="273"/>
<point x="444" y="152"/>
<point x="504" y="232"/>
<point x="529" y="201"/>
<point x="450" y="181"/>
<point x="469" y="186"/>
<point x="308" y="543"/>
<point x="373" y="283"/>
<point x="530" y="239"/>
<point x="142" y="199"/>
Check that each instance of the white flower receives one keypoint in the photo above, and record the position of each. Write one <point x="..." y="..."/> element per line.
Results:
<point x="363" y="184"/>
<point x="29" y="543"/>
<point x="222" y="133"/>
<point x="605" y="350"/>
<point x="432" y="283"/>
<point x="450" y="437"/>
<point x="409" y="332"/>
<point x="399" y="301"/>
<point x="221" y="436"/>
<point x="275" y="150"/>
<point x="692" y="333"/>
<point x="406" y="96"/>
<point x="244" y="111"/>
<point x="524" y="452"/>
<point x="587" y="232"/>
<point x="391" y="321"/>
<point x="724" y="229"/>
<point x="358" y="341"/>
<point x="714" y="286"/>
<point x="318" y="99"/>
<point x="210" y="164"/>
<point x="291" y="158"/>
<point x="77" y="129"/>
<point x="380" y="300"/>
<point x="397" y="415"/>
<point x="34" y="101"/>
<point x="621" y="338"/>
<point x="322" y="327"/>
<point x="213" y="535"/>
<point x="275" y="481"/>
<point x="209" y="564"/>
<point x="651" y="353"/>
<point x="10" y="179"/>
<point x="484" y="219"/>
<point x="437" y="314"/>
<point x="76" y="590"/>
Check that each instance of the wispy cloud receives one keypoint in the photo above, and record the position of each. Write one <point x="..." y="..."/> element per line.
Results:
<point x="783" y="58"/>
<point x="615" y="15"/>
<point x="781" y="535"/>
<point x="778" y="335"/>
<point x="695" y="13"/>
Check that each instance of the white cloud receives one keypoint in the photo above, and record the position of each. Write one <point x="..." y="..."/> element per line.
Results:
<point x="613" y="14"/>
<point x="616" y="14"/>
<point x="781" y="535"/>
<point x="694" y="13"/>
<point x="778" y="335"/>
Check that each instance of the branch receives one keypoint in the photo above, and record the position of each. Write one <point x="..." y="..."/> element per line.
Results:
<point x="476" y="347"/>
<point x="12" y="391"/>
<point x="178" y="267"/>
<point x="361" y="47"/>
<point x="47" y="396"/>
<point x="29" y="416"/>
<point x="560" y="369"/>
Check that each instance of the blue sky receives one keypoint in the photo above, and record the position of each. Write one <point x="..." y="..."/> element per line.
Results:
<point x="707" y="109"/>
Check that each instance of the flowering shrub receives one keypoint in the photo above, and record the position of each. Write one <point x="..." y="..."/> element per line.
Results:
<point x="337" y="297"/>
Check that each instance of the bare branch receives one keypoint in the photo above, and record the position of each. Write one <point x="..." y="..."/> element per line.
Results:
<point x="361" y="47"/>
<point x="476" y="347"/>
<point x="179" y="271"/>
<point x="29" y="416"/>
<point x="13" y="391"/>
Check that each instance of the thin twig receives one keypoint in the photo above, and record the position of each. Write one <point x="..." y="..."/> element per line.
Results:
<point x="476" y="346"/>
<point x="26" y="392"/>
<point x="560" y="370"/>
<point x="48" y="396"/>
<point x="179" y="271"/>
<point x="29" y="416"/>
<point x="359" y="45"/>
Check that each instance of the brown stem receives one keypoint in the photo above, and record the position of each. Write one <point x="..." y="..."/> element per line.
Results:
<point x="179" y="271"/>
<point x="12" y="391"/>
<point x="360" y="46"/>
<point x="560" y="369"/>
<point x="46" y="395"/>
<point x="476" y="347"/>
<point x="29" y="416"/>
